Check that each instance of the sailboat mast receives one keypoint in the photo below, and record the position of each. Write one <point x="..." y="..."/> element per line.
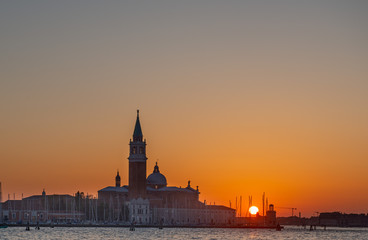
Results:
<point x="240" y="206"/>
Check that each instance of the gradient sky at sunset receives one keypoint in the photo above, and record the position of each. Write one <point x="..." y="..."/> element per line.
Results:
<point x="240" y="97"/>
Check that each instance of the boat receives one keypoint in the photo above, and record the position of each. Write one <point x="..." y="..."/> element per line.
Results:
<point x="27" y="227"/>
<point x="132" y="227"/>
<point x="278" y="227"/>
<point x="3" y="225"/>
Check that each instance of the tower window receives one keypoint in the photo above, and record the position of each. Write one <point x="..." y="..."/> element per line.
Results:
<point x="134" y="150"/>
<point x="141" y="150"/>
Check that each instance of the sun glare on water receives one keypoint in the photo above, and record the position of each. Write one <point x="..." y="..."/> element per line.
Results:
<point x="253" y="210"/>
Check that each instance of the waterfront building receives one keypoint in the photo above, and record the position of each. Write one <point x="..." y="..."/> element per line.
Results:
<point x="1" y="204"/>
<point x="56" y="208"/>
<point x="149" y="200"/>
<point x="338" y="219"/>
<point x="271" y="216"/>
<point x="144" y="201"/>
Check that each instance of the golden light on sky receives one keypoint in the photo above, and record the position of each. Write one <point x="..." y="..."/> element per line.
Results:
<point x="240" y="97"/>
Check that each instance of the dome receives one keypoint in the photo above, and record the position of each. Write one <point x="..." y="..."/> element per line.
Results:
<point x="156" y="179"/>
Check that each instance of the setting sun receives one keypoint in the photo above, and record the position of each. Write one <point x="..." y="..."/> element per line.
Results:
<point x="253" y="210"/>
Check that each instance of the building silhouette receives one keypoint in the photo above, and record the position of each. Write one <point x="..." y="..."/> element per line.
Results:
<point x="145" y="200"/>
<point x="149" y="200"/>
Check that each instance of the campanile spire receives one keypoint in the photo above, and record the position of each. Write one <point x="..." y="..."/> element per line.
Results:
<point x="137" y="134"/>
<point x="137" y="163"/>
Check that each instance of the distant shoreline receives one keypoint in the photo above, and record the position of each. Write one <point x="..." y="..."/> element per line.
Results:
<point x="157" y="226"/>
<point x="137" y="226"/>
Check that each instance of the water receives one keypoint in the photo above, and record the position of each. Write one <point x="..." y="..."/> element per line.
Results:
<point x="182" y="233"/>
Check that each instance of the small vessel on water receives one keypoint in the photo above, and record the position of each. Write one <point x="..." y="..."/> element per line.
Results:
<point x="278" y="227"/>
<point x="3" y="225"/>
<point x="132" y="227"/>
<point x="27" y="227"/>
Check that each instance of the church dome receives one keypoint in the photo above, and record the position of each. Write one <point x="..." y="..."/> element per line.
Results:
<point x="156" y="179"/>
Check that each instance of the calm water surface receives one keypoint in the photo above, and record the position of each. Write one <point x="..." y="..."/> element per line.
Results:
<point x="182" y="233"/>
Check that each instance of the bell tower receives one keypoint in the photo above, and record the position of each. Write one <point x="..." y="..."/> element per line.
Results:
<point x="137" y="163"/>
<point x="117" y="180"/>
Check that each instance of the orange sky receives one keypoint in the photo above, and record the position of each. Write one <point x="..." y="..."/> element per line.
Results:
<point x="240" y="98"/>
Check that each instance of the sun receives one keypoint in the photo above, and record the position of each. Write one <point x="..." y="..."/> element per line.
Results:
<point x="253" y="210"/>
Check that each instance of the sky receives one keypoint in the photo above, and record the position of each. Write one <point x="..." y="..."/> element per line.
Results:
<point x="240" y="97"/>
